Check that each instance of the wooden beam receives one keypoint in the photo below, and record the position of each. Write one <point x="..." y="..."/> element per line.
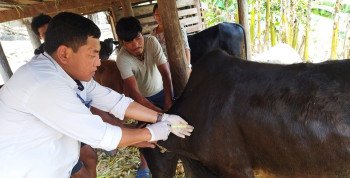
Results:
<point x="54" y="7"/>
<point x="23" y="1"/>
<point x="127" y="8"/>
<point x="174" y="42"/>
<point x="5" y="69"/>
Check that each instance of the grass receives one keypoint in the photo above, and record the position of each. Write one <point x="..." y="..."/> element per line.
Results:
<point x="124" y="164"/>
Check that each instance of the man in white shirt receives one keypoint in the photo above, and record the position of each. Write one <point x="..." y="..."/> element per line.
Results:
<point x="45" y="115"/>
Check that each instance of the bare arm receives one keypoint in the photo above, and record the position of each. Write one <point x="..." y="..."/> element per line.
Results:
<point x="167" y="85"/>
<point x="133" y="91"/>
<point x="188" y="58"/>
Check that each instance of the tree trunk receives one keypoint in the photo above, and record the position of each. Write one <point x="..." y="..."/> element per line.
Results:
<point x="292" y="24"/>
<point x="252" y="23"/>
<point x="267" y="31"/>
<point x="295" y="33"/>
<point x="243" y="20"/>
<point x="174" y="43"/>
<point x="347" y="39"/>
<point x="272" y="30"/>
<point x="284" y="22"/>
<point x="335" y="31"/>
<point x="5" y="69"/>
<point x="307" y="30"/>
<point x="259" y="27"/>
<point x="34" y="39"/>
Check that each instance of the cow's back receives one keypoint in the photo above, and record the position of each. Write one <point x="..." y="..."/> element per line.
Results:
<point x="290" y="120"/>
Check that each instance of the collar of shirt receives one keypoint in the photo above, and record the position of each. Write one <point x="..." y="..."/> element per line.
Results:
<point x="72" y="83"/>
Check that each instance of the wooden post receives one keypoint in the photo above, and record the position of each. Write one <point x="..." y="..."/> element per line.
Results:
<point x="199" y="14"/>
<point x="174" y="44"/>
<point x="34" y="39"/>
<point x="5" y="69"/>
<point x="112" y="21"/>
<point x="127" y="8"/>
<point x="243" y="20"/>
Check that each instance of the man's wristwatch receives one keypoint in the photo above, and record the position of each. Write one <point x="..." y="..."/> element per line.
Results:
<point x="160" y="117"/>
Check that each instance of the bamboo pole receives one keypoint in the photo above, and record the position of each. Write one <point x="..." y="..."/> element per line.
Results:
<point x="307" y="30"/>
<point x="335" y="31"/>
<point x="5" y="69"/>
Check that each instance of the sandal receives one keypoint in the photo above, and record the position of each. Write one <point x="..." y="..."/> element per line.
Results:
<point x="142" y="173"/>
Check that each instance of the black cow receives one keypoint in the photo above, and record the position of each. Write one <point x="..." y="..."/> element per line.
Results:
<point x="289" y="120"/>
<point x="229" y="37"/>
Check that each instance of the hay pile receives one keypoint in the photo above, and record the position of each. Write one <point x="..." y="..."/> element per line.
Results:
<point x="124" y="164"/>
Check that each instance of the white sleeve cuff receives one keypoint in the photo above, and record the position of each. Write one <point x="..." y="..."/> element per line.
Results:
<point x="119" y="109"/>
<point x="111" y="139"/>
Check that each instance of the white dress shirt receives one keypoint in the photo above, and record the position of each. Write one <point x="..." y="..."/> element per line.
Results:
<point x="42" y="121"/>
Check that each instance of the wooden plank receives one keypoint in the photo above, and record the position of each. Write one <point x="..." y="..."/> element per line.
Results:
<point x="86" y="10"/>
<point x="25" y="1"/>
<point x="183" y="3"/>
<point x="192" y="29"/>
<point x="188" y="21"/>
<point x="147" y="20"/>
<point x="199" y="14"/>
<point x="187" y="12"/>
<point x="142" y="10"/>
<point x="50" y="7"/>
<point x="148" y="28"/>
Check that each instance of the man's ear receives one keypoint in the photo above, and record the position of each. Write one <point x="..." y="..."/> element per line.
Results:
<point x="121" y="42"/>
<point x="63" y="54"/>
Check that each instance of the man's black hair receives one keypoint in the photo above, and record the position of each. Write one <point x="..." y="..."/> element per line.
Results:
<point x="71" y="30"/>
<point x="128" y="28"/>
<point x="155" y="7"/>
<point x="38" y="22"/>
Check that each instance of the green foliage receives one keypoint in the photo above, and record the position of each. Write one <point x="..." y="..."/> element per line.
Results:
<point x="322" y="10"/>
<point x="217" y="11"/>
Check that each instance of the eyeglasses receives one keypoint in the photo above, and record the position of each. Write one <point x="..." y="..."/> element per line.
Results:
<point x="86" y="103"/>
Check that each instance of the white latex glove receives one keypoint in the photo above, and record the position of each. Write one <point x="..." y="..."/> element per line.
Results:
<point x="159" y="130"/>
<point x="179" y="127"/>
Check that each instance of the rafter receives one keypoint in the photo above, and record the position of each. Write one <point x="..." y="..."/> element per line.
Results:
<point x="54" y="7"/>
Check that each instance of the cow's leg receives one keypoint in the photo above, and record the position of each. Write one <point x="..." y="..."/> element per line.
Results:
<point x="195" y="169"/>
<point x="162" y="165"/>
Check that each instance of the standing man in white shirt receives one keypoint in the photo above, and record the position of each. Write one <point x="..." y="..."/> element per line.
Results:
<point x="44" y="106"/>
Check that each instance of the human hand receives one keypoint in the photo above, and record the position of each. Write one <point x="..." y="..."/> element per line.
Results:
<point x="179" y="126"/>
<point x="159" y="131"/>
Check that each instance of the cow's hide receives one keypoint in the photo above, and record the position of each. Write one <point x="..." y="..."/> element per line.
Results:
<point x="289" y="120"/>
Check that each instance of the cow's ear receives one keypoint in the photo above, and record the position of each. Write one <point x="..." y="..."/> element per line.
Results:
<point x="63" y="53"/>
